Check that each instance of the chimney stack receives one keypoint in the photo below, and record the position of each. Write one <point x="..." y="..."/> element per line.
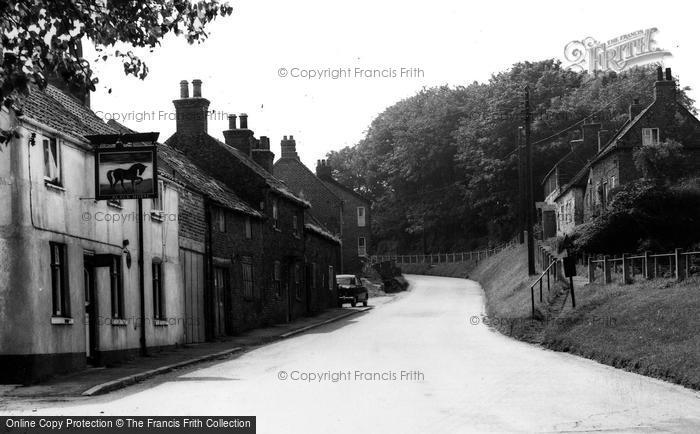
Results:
<point x="635" y="108"/>
<point x="184" y="89"/>
<point x="665" y="90"/>
<point x="289" y="148"/>
<point x="590" y="143"/>
<point x="262" y="154"/>
<point x="323" y="170"/>
<point x="239" y="138"/>
<point x="196" y="88"/>
<point x="191" y="114"/>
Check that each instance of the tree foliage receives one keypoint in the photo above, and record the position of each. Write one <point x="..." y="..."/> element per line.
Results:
<point x="441" y="166"/>
<point x="660" y="161"/>
<point x="644" y="215"/>
<point x="43" y="37"/>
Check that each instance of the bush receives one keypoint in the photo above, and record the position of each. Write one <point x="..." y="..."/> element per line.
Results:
<point x="660" y="161"/>
<point x="644" y="215"/>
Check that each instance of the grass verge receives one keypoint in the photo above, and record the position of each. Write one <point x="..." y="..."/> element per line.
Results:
<point x="648" y="327"/>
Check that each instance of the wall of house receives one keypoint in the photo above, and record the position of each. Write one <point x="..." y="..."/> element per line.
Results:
<point x="325" y="254"/>
<point x="351" y="231"/>
<point x="229" y="249"/>
<point x="192" y="228"/>
<point x="327" y="206"/>
<point x="569" y="211"/>
<point x="32" y="344"/>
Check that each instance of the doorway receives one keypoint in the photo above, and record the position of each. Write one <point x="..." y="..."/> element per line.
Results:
<point x="91" y="345"/>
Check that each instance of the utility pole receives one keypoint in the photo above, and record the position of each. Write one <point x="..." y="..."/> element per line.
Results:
<point x="529" y="187"/>
<point x="521" y="188"/>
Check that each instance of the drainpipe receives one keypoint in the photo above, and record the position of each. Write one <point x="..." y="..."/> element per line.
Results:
<point x="142" y="289"/>
<point x="208" y="275"/>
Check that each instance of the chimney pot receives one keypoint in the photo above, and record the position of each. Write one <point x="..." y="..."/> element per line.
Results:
<point x="231" y="122"/>
<point x="669" y="77"/>
<point x="184" y="89"/>
<point x="197" y="88"/>
<point x="244" y="121"/>
<point x="659" y="74"/>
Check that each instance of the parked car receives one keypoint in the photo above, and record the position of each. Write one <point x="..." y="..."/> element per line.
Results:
<point x="351" y="290"/>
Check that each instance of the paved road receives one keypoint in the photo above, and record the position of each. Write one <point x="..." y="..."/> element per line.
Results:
<point x="460" y="378"/>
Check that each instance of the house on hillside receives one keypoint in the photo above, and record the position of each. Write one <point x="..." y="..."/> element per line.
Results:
<point x="69" y="281"/>
<point x="344" y="212"/>
<point x="244" y="164"/>
<point x="590" y="190"/>
<point x="561" y="212"/>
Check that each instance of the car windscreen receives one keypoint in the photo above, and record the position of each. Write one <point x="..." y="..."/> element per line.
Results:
<point x="346" y="280"/>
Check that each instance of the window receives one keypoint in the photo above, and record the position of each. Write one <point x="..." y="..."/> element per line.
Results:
<point x="157" y="203"/>
<point x="295" y="225"/>
<point x="331" y="278"/>
<point x="604" y="194"/>
<point x="59" y="280"/>
<point x="275" y="213"/>
<point x="116" y="287"/>
<point x="248" y="228"/>
<point x="362" y="246"/>
<point x="650" y="136"/>
<point x="52" y="161"/>
<point x="158" y="296"/>
<point x="361" y="222"/>
<point x="297" y="281"/>
<point x="277" y="278"/>
<point x="247" y="268"/>
<point x="219" y="216"/>
<point x="612" y="182"/>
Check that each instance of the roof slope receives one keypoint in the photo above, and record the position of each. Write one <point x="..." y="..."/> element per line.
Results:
<point x="314" y="225"/>
<point x="273" y="183"/>
<point x="47" y="107"/>
<point x="287" y="166"/>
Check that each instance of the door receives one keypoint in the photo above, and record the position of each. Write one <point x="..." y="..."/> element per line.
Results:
<point x="90" y="311"/>
<point x="220" y="290"/>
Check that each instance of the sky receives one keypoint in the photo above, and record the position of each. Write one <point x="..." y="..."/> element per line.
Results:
<point x="243" y="63"/>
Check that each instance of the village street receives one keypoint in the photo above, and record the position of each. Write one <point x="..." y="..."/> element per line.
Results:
<point x="457" y="377"/>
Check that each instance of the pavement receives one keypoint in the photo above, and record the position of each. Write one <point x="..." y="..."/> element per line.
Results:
<point x="96" y="381"/>
<point x="414" y="365"/>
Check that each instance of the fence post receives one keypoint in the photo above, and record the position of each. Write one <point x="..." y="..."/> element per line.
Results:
<point x="647" y="265"/>
<point x="606" y="270"/>
<point x="591" y="270"/>
<point x="679" y="270"/>
<point x="625" y="270"/>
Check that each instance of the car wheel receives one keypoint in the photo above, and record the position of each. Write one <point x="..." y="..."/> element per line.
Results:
<point x="364" y="303"/>
<point x="353" y="303"/>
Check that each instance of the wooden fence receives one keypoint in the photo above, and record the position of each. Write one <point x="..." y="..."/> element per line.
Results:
<point x="678" y="265"/>
<point x="444" y="258"/>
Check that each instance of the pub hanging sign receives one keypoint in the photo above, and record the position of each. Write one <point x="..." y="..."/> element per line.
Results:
<point x="125" y="172"/>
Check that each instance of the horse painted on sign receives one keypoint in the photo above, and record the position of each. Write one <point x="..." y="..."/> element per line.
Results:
<point x="132" y="174"/>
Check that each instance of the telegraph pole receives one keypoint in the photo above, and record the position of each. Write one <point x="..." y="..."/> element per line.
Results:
<point x="529" y="203"/>
<point x="521" y="188"/>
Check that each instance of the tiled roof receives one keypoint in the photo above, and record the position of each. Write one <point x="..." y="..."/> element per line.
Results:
<point x="275" y="184"/>
<point x="83" y="113"/>
<point x="287" y="166"/>
<point x="314" y="225"/>
<point x="196" y="177"/>
<point x="45" y="106"/>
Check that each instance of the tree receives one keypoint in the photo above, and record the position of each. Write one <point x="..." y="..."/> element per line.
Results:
<point x="43" y="38"/>
<point x="661" y="161"/>
<point x="441" y="166"/>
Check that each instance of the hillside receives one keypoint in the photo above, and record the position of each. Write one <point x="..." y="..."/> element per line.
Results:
<point x="649" y="327"/>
